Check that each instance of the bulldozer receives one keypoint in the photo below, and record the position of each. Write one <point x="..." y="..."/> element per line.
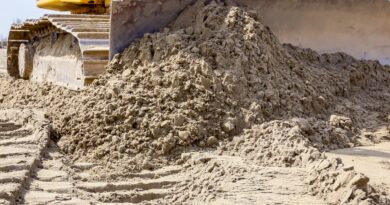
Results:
<point x="73" y="49"/>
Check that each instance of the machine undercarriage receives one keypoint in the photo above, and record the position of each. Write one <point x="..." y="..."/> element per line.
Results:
<point x="73" y="49"/>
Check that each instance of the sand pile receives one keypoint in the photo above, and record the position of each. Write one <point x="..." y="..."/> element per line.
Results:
<point x="288" y="143"/>
<point x="216" y="72"/>
<point x="218" y="75"/>
<point x="199" y="83"/>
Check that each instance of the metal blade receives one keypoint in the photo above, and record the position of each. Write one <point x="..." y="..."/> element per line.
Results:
<point x="131" y="19"/>
<point x="360" y="28"/>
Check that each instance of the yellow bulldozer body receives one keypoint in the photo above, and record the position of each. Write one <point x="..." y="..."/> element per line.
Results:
<point x="73" y="6"/>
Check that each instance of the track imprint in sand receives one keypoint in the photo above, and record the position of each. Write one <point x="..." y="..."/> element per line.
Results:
<point x="24" y="135"/>
<point x="34" y="171"/>
<point x="59" y="182"/>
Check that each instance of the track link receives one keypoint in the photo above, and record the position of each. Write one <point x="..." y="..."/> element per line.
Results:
<point x="90" y="33"/>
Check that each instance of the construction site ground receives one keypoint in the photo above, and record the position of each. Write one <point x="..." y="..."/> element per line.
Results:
<point x="373" y="161"/>
<point x="212" y="109"/>
<point x="34" y="171"/>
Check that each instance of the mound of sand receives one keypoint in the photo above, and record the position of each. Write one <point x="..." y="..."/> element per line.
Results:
<point x="200" y="83"/>
<point x="218" y="76"/>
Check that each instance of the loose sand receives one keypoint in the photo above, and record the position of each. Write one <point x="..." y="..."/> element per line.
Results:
<point x="374" y="161"/>
<point x="218" y="81"/>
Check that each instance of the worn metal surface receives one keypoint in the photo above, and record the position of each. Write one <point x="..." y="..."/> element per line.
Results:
<point x="96" y="36"/>
<point x="131" y="19"/>
<point x="360" y="28"/>
<point x="90" y="34"/>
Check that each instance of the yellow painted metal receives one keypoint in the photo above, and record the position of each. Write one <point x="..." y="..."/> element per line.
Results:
<point x="80" y="1"/>
<point x="56" y="5"/>
<point x="78" y="6"/>
<point x="107" y="3"/>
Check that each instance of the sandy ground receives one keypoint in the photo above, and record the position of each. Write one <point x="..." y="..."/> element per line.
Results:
<point x="248" y="183"/>
<point x="34" y="171"/>
<point x="373" y="161"/>
<point x="197" y="113"/>
<point x="3" y="57"/>
<point x="24" y="134"/>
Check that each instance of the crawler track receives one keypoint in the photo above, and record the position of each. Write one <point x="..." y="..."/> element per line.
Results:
<point x="90" y="33"/>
